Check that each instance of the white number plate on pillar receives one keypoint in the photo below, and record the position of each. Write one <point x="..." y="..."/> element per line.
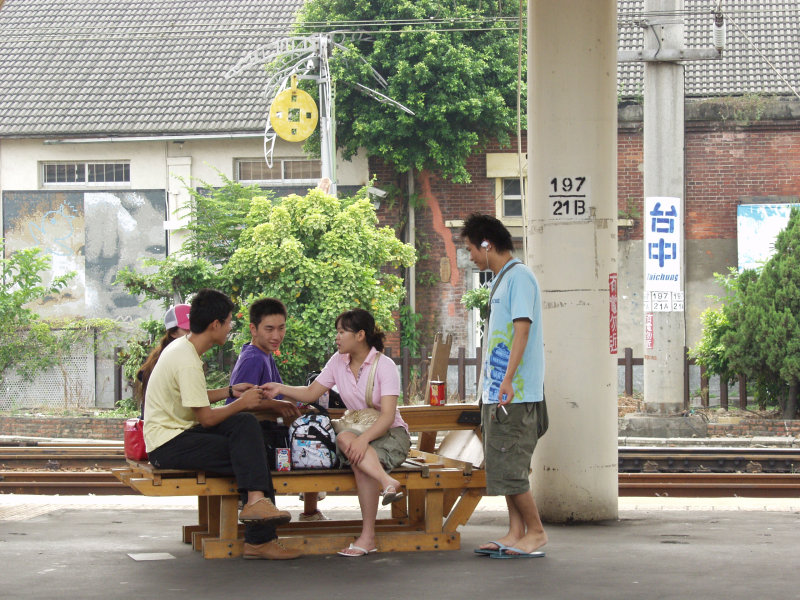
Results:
<point x="568" y="198"/>
<point x="663" y="302"/>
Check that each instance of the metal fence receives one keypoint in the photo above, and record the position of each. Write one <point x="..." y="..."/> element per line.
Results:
<point x="68" y="386"/>
<point x="698" y="387"/>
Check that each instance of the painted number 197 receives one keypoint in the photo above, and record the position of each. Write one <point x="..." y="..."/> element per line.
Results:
<point x="568" y="196"/>
<point x="565" y="185"/>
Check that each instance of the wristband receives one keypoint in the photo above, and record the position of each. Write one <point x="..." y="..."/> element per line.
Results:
<point x="230" y="391"/>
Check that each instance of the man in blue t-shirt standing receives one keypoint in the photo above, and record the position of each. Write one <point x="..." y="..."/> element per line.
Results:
<point x="512" y="407"/>
<point x="256" y="365"/>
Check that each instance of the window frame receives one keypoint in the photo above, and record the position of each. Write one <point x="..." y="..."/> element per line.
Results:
<point x="86" y="166"/>
<point x="500" y="208"/>
<point x="237" y="162"/>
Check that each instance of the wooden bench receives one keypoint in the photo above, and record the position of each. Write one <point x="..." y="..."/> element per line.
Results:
<point x="442" y="494"/>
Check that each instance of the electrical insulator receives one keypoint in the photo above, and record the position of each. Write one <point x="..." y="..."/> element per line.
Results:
<point x="720" y="31"/>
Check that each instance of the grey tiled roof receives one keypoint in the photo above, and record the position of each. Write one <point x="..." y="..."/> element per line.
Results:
<point x="772" y="26"/>
<point x="134" y="67"/>
<point x="155" y="67"/>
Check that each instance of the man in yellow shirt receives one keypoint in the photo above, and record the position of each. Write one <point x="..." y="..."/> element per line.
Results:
<point x="183" y="431"/>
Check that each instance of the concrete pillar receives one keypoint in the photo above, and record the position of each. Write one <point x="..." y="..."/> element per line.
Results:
<point x="572" y="133"/>
<point x="179" y="174"/>
<point x="664" y="177"/>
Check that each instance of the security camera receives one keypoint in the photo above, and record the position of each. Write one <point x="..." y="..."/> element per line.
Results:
<point x="377" y="192"/>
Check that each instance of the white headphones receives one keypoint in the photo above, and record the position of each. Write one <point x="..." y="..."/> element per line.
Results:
<point x="485" y="246"/>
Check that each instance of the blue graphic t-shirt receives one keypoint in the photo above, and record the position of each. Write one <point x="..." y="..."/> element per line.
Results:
<point x="516" y="297"/>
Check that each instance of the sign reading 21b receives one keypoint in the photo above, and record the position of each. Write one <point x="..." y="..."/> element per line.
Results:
<point x="663" y="244"/>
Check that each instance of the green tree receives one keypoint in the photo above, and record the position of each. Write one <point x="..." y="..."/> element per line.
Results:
<point x="23" y="334"/>
<point x="756" y="331"/>
<point x="321" y="256"/>
<point x="453" y="64"/>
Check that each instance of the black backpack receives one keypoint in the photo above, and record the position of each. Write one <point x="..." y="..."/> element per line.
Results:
<point x="334" y="399"/>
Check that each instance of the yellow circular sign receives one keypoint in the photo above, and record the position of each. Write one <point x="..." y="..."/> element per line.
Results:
<point x="293" y="114"/>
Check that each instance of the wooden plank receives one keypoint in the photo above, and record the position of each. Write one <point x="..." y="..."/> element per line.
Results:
<point x="351" y="526"/>
<point x="124" y="474"/>
<point x="184" y="487"/>
<point x="222" y="548"/>
<point x="426" y="442"/>
<point x="385" y="542"/>
<point x="451" y="496"/>
<point x="434" y="500"/>
<point x="463" y="509"/>
<point x="202" y="520"/>
<point x="447" y="478"/>
<point x="427" y="457"/>
<point x="440" y="358"/>
<point x="416" y="506"/>
<point x="229" y="517"/>
<point x="419" y="417"/>
<point x="190" y="530"/>
<point x="314" y="481"/>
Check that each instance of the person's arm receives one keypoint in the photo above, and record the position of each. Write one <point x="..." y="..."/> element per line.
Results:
<point x="251" y="370"/>
<point x="519" y="340"/>
<point x="300" y="393"/>
<point x="248" y="397"/>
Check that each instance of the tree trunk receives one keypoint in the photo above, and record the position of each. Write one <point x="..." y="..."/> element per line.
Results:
<point x="790" y="408"/>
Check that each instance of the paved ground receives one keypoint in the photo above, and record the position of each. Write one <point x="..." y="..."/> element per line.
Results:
<point x="81" y="547"/>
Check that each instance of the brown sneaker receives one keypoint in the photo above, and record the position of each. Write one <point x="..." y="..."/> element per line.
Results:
<point x="264" y="511"/>
<point x="273" y="550"/>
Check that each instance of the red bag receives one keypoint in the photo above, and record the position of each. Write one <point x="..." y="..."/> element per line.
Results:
<point x="134" y="440"/>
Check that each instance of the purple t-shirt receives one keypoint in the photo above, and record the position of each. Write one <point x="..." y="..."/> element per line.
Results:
<point x="254" y="366"/>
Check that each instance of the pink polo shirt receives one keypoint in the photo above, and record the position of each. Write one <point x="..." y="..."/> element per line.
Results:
<point x="353" y="391"/>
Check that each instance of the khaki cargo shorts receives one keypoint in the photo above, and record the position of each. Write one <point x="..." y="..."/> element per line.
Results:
<point x="392" y="448"/>
<point x="508" y="444"/>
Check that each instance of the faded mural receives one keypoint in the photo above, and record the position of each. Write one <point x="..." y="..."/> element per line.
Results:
<point x="93" y="234"/>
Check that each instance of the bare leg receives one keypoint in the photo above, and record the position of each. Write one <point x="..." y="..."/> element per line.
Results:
<point x="525" y="530"/>
<point x="525" y="507"/>
<point x="371" y="465"/>
<point x="516" y="528"/>
<point x="370" y="480"/>
<point x="368" y="497"/>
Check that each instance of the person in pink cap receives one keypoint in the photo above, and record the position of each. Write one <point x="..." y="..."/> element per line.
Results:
<point x="176" y="322"/>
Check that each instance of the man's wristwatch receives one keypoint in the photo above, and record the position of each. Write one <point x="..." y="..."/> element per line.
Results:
<point x="230" y="391"/>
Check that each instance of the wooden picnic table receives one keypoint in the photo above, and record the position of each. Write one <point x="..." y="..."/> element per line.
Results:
<point x="442" y="494"/>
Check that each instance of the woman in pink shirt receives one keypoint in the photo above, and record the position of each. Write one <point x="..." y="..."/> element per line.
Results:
<point x="385" y="445"/>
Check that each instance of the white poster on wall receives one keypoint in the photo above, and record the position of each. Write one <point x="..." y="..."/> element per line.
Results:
<point x="663" y="244"/>
<point x="757" y="226"/>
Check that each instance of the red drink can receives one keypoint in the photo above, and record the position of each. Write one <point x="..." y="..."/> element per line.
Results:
<point x="438" y="396"/>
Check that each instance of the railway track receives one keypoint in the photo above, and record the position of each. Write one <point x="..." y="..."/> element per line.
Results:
<point x="79" y="469"/>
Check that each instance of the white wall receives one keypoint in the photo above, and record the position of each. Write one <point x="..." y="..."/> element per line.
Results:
<point x="19" y="159"/>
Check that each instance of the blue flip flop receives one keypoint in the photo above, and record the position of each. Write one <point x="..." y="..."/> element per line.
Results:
<point x="489" y="551"/>
<point x="504" y="553"/>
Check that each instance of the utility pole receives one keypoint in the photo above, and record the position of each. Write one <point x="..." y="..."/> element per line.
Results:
<point x="664" y="317"/>
<point x="663" y="56"/>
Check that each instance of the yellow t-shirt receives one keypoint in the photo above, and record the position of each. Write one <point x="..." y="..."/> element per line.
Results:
<point x="176" y="384"/>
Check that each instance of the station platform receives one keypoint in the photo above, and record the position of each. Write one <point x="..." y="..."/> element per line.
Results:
<point x="129" y="547"/>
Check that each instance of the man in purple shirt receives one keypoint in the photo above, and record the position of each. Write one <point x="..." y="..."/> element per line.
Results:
<point x="256" y="365"/>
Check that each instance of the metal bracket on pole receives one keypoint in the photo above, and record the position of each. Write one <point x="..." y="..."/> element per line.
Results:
<point x="668" y="55"/>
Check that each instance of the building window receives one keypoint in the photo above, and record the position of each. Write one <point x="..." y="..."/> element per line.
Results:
<point x="86" y="173"/>
<point x="512" y="198"/>
<point x="287" y="170"/>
